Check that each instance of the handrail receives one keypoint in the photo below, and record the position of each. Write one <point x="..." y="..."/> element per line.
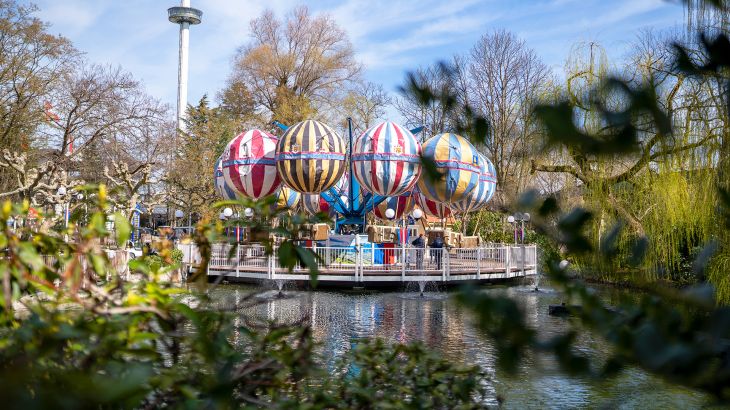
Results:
<point x="364" y="263"/>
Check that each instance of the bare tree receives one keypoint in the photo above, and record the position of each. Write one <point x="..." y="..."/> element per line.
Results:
<point x="32" y="63"/>
<point x="97" y="103"/>
<point x="434" y="117"/>
<point x="365" y="104"/>
<point x="294" y="65"/>
<point x="503" y="78"/>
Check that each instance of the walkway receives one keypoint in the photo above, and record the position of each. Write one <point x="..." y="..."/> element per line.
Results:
<point x="363" y="265"/>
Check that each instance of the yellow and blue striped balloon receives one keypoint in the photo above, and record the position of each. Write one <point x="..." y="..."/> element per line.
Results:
<point x="286" y="198"/>
<point x="310" y="157"/>
<point x="458" y="163"/>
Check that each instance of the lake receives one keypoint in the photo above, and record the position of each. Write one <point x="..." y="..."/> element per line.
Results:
<point x="338" y="318"/>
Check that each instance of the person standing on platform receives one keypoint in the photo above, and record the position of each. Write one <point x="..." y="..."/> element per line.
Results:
<point x="438" y="247"/>
<point x="420" y="245"/>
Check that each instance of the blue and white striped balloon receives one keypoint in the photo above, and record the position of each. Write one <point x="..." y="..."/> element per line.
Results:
<point x="221" y="186"/>
<point x="484" y="191"/>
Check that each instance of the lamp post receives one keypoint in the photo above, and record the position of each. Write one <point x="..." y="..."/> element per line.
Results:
<point x="178" y="215"/>
<point x="80" y="198"/>
<point x="62" y="191"/>
<point x="226" y="214"/>
<point x="521" y="218"/>
<point x="417" y="214"/>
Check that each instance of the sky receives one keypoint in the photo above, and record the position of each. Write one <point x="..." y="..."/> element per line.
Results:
<point x="390" y="37"/>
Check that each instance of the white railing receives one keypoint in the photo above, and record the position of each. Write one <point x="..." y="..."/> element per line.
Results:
<point x="370" y="263"/>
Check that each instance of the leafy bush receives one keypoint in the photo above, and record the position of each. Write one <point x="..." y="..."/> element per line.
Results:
<point x="93" y="340"/>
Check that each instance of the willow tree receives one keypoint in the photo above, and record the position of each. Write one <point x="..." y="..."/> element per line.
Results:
<point x="662" y="191"/>
<point x="713" y="79"/>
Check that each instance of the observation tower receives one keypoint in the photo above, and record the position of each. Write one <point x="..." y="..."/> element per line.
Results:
<point x="184" y="15"/>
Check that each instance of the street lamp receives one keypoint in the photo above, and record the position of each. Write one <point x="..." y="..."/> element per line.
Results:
<point x="521" y="218"/>
<point x="62" y="193"/>
<point x="248" y="212"/>
<point x="228" y="212"/>
<point x="417" y="214"/>
<point x="80" y="197"/>
<point x="390" y="213"/>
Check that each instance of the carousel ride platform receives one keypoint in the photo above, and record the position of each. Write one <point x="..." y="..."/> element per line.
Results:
<point x="370" y="265"/>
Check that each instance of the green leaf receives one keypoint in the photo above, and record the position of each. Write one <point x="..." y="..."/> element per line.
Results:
<point x="122" y="228"/>
<point x="309" y="259"/>
<point x="30" y="257"/>
<point x="99" y="263"/>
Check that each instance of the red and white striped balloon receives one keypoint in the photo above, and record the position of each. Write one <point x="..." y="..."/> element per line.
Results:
<point x="249" y="164"/>
<point x="432" y="208"/>
<point x="386" y="159"/>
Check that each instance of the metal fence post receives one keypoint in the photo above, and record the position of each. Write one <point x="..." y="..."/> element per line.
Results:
<point x="238" y="259"/>
<point x="523" y="261"/>
<point x="507" y="252"/>
<point x="479" y="263"/>
<point x="444" y="263"/>
<point x="359" y="265"/>
<point x="403" y="263"/>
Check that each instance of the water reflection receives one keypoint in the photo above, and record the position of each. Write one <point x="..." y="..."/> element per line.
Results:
<point x="338" y="319"/>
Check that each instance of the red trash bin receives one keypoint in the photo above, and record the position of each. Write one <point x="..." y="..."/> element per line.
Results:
<point x="388" y="254"/>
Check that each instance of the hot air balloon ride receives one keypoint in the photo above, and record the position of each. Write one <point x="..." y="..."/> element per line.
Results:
<point x="484" y="191"/>
<point x="457" y="161"/>
<point x="386" y="159"/>
<point x="249" y="164"/>
<point x="345" y="195"/>
<point x="431" y="207"/>
<point x="310" y="157"/>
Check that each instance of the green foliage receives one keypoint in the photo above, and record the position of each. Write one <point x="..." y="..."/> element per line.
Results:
<point x="95" y="340"/>
<point x="177" y="256"/>
<point x="406" y="376"/>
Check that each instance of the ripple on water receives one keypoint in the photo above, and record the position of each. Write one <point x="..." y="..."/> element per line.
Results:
<point x="339" y="319"/>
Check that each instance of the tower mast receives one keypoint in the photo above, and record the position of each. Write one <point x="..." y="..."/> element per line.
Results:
<point x="184" y="15"/>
